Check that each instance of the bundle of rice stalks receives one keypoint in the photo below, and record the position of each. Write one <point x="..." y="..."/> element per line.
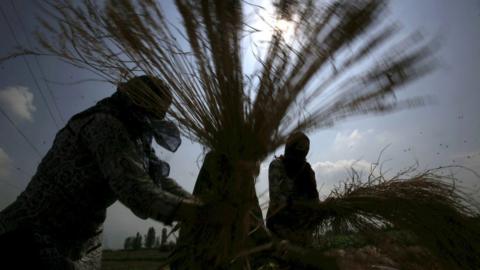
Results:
<point x="245" y="117"/>
<point x="428" y="205"/>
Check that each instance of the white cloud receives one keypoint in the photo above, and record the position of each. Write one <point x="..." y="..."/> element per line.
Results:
<point x="331" y="173"/>
<point x="358" y="144"/>
<point x="350" y="139"/>
<point x="340" y="165"/>
<point x="18" y="101"/>
<point x="5" y="164"/>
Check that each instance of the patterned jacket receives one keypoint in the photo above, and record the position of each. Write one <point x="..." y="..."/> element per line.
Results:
<point x="283" y="218"/>
<point x="93" y="162"/>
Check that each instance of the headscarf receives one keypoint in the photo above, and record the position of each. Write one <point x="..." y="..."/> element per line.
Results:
<point x="149" y="93"/>
<point x="296" y="150"/>
<point x="152" y="98"/>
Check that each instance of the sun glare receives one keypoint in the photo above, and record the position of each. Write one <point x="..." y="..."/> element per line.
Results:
<point x="283" y="25"/>
<point x="286" y="27"/>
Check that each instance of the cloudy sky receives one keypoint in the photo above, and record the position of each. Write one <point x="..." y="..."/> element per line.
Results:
<point x="36" y="95"/>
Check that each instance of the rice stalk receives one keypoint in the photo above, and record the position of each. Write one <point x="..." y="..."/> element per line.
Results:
<point x="428" y="204"/>
<point x="212" y="102"/>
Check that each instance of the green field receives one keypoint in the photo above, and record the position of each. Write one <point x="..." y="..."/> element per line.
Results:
<point x="146" y="259"/>
<point x="390" y="249"/>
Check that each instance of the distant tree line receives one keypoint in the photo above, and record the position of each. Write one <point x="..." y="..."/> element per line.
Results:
<point x="149" y="241"/>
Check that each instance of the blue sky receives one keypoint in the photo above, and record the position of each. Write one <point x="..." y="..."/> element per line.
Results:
<point x="444" y="133"/>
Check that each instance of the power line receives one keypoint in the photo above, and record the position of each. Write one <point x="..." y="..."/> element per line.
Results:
<point x="29" y="68"/>
<point x="24" y="30"/>
<point x="29" y="142"/>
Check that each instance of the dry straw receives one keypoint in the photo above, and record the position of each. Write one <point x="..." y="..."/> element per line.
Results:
<point x="428" y="204"/>
<point x="327" y="67"/>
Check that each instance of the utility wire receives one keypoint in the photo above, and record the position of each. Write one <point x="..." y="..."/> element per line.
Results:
<point x="28" y="67"/>
<point x="47" y="85"/>
<point x="29" y="142"/>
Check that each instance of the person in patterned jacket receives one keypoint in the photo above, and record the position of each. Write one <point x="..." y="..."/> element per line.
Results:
<point x="291" y="185"/>
<point x="102" y="155"/>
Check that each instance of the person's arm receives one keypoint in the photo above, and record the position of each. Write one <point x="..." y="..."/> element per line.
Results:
<point x="173" y="187"/>
<point x="280" y="185"/>
<point x="280" y="188"/>
<point x="314" y="196"/>
<point x="166" y="183"/>
<point x="121" y="163"/>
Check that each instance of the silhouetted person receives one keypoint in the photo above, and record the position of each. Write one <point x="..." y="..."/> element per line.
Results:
<point x="102" y="155"/>
<point x="291" y="184"/>
<point x="210" y="187"/>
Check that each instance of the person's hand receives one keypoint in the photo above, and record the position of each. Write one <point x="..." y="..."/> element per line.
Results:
<point x="217" y="214"/>
<point x="195" y="211"/>
<point x="188" y="210"/>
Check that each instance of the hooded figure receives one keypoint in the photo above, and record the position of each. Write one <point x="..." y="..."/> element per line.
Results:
<point x="291" y="183"/>
<point x="102" y="155"/>
<point x="210" y="188"/>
